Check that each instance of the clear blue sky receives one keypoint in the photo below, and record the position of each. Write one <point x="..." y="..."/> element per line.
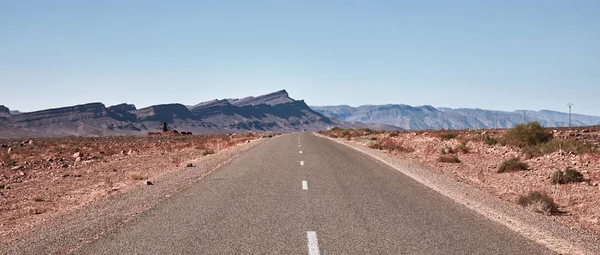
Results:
<point x="502" y="55"/>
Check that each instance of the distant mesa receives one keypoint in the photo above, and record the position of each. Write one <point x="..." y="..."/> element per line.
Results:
<point x="273" y="112"/>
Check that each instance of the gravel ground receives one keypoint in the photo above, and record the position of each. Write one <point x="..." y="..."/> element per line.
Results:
<point x="542" y="229"/>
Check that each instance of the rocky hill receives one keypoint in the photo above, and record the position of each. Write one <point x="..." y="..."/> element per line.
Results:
<point x="429" y="117"/>
<point x="274" y="112"/>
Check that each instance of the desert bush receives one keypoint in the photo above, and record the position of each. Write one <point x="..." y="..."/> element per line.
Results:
<point x="137" y="176"/>
<point x="208" y="151"/>
<point x="448" y="136"/>
<point x="376" y="145"/>
<point x="8" y="161"/>
<point x="485" y="138"/>
<point x="447" y="150"/>
<point x="335" y="128"/>
<point x="449" y="159"/>
<point x="367" y="131"/>
<point x="567" y="176"/>
<point x="530" y="134"/>
<point x="462" y="147"/>
<point x="345" y="133"/>
<point x="511" y="165"/>
<point x="394" y="134"/>
<point x="554" y="145"/>
<point x="538" y="202"/>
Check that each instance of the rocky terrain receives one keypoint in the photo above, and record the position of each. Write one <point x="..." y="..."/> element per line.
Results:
<point x="274" y="112"/>
<point x="44" y="177"/>
<point x="428" y="117"/>
<point x="476" y="157"/>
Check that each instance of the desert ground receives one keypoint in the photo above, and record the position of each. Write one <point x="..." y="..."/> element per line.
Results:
<point x="46" y="177"/>
<point x="475" y="157"/>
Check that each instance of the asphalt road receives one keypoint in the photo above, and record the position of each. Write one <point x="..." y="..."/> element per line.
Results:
<point x="302" y="194"/>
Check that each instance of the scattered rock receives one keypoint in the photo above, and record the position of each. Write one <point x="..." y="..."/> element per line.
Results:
<point x="18" y="168"/>
<point x="77" y="155"/>
<point x="9" y="150"/>
<point x="149" y="183"/>
<point x="190" y="165"/>
<point x="21" y="173"/>
<point x="78" y="159"/>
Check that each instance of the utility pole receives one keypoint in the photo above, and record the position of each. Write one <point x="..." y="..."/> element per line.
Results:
<point x="524" y="117"/>
<point x="570" y="105"/>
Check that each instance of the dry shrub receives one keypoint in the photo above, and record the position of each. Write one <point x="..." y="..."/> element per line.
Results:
<point x="208" y="151"/>
<point x="447" y="150"/>
<point x="530" y="134"/>
<point x="539" y="202"/>
<point x="449" y="159"/>
<point x="391" y="144"/>
<point x="448" y="136"/>
<point x="511" y="165"/>
<point x="567" y="176"/>
<point x="462" y="147"/>
<point x="137" y="176"/>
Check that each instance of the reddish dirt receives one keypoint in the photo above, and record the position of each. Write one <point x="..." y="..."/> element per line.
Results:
<point x="43" y="177"/>
<point x="578" y="202"/>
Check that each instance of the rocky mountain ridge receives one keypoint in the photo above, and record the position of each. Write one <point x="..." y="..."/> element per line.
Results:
<point x="429" y="117"/>
<point x="274" y="112"/>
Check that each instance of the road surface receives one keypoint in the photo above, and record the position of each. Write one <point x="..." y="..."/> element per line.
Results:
<point x="303" y="194"/>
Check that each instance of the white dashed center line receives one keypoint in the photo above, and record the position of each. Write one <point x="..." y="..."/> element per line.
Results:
<point x="301" y="163"/>
<point x="300" y="152"/>
<point x="313" y="243"/>
<point x="304" y="185"/>
<point x="299" y="145"/>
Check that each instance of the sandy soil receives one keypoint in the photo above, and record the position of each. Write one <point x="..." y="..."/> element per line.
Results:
<point x="42" y="179"/>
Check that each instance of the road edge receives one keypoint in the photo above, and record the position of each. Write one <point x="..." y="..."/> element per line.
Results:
<point x="531" y="225"/>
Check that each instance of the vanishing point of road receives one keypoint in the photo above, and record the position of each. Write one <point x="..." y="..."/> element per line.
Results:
<point x="303" y="194"/>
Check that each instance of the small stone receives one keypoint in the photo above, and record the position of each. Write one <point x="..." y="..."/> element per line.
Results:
<point x="17" y="168"/>
<point x="190" y="165"/>
<point x="30" y="142"/>
<point x="77" y="155"/>
<point x="21" y="173"/>
<point x="149" y="183"/>
<point x="9" y="150"/>
<point x="78" y="159"/>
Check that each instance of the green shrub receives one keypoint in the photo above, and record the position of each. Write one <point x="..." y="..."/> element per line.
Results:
<point x="539" y="202"/>
<point x="530" y="134"/>
<point x="511" y="165"/>
<point x="394" y="134"/>
<point x="448" y="136"/>
<point x="449" y="159"/>
<point x="567" y="176"/>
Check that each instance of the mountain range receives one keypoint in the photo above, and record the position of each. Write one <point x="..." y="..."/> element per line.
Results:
<point x="429" y="117"/>
<point x="274" y="112"/>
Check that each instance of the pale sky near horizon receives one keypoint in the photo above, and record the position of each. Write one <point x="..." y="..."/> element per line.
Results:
<point x="490" y="54"/>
